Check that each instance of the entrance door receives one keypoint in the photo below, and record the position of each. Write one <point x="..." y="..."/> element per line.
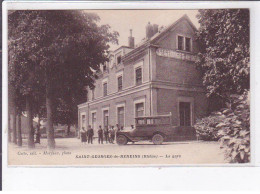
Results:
<point x="185" y="113"/>
<point x="121" y="116"/>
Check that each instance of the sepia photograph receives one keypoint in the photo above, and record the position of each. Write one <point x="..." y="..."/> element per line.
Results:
<point x="128" y="87"/>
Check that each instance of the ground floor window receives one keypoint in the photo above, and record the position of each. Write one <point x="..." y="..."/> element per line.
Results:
<point x="83" y="121"/>
<point x="94" y="120"/>
<point x="105" y="113"/>
<point x="121" y="116"/>
<point x="139" y="109"/>
<point x="185" y="113"/>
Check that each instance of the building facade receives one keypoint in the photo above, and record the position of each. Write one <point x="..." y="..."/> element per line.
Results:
<point x="157" y="76"/>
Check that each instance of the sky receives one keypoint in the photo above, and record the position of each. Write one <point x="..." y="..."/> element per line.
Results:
<point x="124" y="20"/>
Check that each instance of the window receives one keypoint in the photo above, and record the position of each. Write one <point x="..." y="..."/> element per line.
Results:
<point x="105" y="113"/>
<point x="83" y="121"/>
<point x="139" y="109"/>
<point x="188" y="44"/>
<point x="94" y="120"/>
<point x="121" y="116"/>
<point x="185" y="113"/>
<point x="149" y="121"/>
<point x="105" y="89"/>
<point x="140" y="121"/>
<point x="184" y="43"/>
<point x="180" y="43"/>
<point x="118" y="59"/>
<point x="120" y="82"/>
<point x="138" y="75"/>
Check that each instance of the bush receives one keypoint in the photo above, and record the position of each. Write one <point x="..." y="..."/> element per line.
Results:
<point x="206" y="127"/>
<point x="231" y="126"/>
<point x="234" y="130"/>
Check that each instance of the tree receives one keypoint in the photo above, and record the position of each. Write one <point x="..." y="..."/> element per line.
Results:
<point x="54" y="49"/>
<point x="223" y="39"/>
<point x="224" y="61"/>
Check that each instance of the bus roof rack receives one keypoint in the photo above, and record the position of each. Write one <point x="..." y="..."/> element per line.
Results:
<point x="154" y="116"/>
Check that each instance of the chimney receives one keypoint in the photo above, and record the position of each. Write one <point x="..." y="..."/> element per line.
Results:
<point x="131" y="40"/>
<point x="149" y="30"/>
<point x="155" y="29"/>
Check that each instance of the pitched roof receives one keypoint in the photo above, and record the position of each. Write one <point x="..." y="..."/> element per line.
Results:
<point x="160" y="34"/>
<point x="165" y="30"/>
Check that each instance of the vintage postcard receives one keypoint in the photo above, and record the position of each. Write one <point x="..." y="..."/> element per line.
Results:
<point x="128" y="87"/>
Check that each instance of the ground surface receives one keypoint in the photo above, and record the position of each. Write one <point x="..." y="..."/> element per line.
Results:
<point x="70" y="151"/>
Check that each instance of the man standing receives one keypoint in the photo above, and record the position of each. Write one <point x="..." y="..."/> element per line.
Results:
<point x="100" y="135"/>
<point x="112" y="134"/>
<point x="90" y="134"/>
<point x="106" y="134"/>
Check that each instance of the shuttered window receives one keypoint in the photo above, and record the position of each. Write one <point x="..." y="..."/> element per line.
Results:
<point x="187" y="44"/>
<point x="180" y="43"/>
<point x="120" y="83"/>
<point x="104" y="89"/>
<point x="138" y="76"/>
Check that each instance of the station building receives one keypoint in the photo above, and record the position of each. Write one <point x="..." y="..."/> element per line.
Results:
<point x="157" y="76"/>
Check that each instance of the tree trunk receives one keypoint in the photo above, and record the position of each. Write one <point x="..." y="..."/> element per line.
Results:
<point x="76" y="130"/>
<point x="9" y="129"/>
<point x="30" y="122"/>
<point x="50" y="129"/>
<point x="68" y="130"/>
<point x="19" y="131"/>
<point x="14" y="124"/>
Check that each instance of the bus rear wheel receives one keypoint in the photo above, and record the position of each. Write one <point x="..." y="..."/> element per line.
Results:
<point x="121" y="140"/>
<point x="157" y="139"/>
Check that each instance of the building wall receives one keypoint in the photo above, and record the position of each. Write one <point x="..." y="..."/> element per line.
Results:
<point x="166" y="82"/>
<point x="128" y="101"/>
<point x="170" y="39"/>
<point x="128" y="72"/>
<point x="175" y="70"/>
<point x="167" y="101"/>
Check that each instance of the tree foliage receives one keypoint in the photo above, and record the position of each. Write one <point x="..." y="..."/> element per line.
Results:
<point x="224" y="42"/>
<point x="53" y="54"/>
<point x="231" y="126"/>
<point x="224" y="51"/>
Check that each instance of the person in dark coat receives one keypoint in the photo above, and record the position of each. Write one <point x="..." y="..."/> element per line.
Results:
<point x="90" y="134"/>
<point x="100" y="135"/>
<point x="106" y="133"/>
<point x="83" y="135"/>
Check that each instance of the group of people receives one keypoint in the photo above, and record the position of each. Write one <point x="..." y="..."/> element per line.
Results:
<point x="87" y="135"/>
<point x="107" y="134"/>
